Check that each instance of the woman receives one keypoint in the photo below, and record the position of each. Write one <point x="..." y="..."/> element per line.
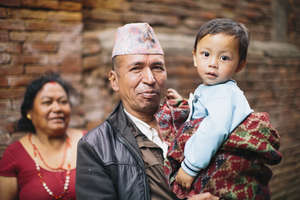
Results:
<point x="41" y="165"/>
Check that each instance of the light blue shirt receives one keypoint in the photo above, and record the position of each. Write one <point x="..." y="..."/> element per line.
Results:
<point x="223" y="107"/>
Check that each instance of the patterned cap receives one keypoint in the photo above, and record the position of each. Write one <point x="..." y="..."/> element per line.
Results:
<point x="136" y="38"/>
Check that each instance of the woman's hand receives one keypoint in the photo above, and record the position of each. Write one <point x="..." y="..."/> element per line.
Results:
<point x="8" y="188"/>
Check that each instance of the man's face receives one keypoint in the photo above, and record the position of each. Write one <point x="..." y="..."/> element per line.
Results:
<point x="140" y="81"/>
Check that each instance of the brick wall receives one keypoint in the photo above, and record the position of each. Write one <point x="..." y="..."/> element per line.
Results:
<point x="35" y="37"/>
<point x="76" y="37"/>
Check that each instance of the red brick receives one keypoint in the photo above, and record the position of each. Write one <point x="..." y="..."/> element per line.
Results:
<point x="58" y="36"/>
<point x="28" y="36"/>
<point x="89" y="3"/>
<point x="50" y="4"/>
<point x="167" y="20"/>
<point x="38" y="25"/>
<point x="194" y="22"/>
<point x="29" y="59"/>
<point x="10" y="47"/>
<point x="253" y="14"/>
<point x="207" y="15"/>
<point x="12" y="24"/>
<point x="160" y="9"/>
<point x="3" y="82"/>
<point x="70" y="6"/>
<point x="19" y="81"/>
<point x="10" y="2"/>
<point x="3" y="13"/>
<point x="4" y="36"/>
<point x="29" y="14"/>
<point x="65" y="16"/>
<point x="91" y="46"/>
<point x="105" y="15"/>
<point x="91" y="62"/>
<point x="16" y="104"/>
<point x="40" y="69"/>
<point x="117" y="5"/>
<point x="17" y="36"/>
<point x="71" y="64"/>
<point x="5" y="58"/>
<point x="40" y="47"/>
<point x="11" y="93"/>
<point x="11" y="70"/>
<point x="5" y="104"/>
<point x="45" y="15"/>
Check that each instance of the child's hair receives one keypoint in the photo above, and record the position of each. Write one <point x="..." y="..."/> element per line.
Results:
<point x="228" y="27"/>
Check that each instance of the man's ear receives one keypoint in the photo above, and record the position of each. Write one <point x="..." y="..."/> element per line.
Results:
<point x="242" y="64"/>
<point x="113" y="79"/>
<point x="194" y="58"/>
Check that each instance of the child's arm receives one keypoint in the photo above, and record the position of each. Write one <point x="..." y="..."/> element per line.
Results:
<point x="184" y="179"/>
<point x="226" y="108"/>
<point x="173" y="97"/>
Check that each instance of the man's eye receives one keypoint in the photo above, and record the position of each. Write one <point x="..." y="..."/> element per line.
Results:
<point x="158" y="68"/>
<point x="225" y="58"/>
<point x="134" y="69"/>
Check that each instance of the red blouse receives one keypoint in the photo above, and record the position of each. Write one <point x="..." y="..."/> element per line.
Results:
<point x="16" y="162"/>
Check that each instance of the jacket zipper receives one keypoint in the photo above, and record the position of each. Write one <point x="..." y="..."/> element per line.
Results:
<point x="139" y="161"/>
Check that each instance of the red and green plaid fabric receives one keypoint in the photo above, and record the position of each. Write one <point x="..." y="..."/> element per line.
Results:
<point x="238" y="170"/>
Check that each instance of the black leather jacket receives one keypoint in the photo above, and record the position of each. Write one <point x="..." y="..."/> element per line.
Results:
<point x="109" y="162"/>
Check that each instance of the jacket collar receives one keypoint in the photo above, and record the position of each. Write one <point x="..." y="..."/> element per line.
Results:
<point x="123" y="125"/>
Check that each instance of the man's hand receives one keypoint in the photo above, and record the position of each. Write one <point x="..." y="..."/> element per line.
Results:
<point x="183" y="179"/>
<point x="204" y="196"/>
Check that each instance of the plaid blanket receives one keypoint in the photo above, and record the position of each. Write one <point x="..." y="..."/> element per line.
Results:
<point x="238" y="170"/>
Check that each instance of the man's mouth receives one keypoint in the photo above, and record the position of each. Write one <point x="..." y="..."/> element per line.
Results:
<point x="149" y="94"/>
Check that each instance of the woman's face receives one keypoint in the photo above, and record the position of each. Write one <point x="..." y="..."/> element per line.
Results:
<point x="51" y="110"/>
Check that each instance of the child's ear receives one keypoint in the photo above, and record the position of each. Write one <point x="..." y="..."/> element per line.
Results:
<point x="242" y="64"/>
<point x="194" y="58"/>
<point x="113" y="79"/>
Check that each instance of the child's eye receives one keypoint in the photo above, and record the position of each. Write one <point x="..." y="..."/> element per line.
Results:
<point x="205" y="53"/>
<point x="225" y="58"/>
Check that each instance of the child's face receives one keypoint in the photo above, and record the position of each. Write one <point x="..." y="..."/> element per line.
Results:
<point x="217" y="58"/>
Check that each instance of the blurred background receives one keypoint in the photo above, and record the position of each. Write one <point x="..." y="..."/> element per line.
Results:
<point x="75" y="38"/>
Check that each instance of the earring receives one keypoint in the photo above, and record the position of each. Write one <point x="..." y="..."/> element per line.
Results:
<point x="28" y="116"/>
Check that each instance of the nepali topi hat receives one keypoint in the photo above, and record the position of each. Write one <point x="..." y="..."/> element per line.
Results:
<point x="136" y="38"/>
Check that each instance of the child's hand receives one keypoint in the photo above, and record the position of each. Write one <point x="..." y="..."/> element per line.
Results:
<point x="204" y="196"/>
<point x="173" y="96"/>
<point x="183" y="179"/>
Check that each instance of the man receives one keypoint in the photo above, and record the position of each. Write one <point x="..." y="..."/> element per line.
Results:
<point x="123" y="157"/>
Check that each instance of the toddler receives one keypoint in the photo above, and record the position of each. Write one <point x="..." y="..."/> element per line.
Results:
<point x="217" y="106"/>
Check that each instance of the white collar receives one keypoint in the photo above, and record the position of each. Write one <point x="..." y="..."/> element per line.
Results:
<point x="149" y="132"/>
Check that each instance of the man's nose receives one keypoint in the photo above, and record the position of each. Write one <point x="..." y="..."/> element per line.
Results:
<point x="148" y="76"/>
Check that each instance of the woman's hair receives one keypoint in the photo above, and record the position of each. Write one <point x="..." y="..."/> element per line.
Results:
<point x="228" y="27"/>
<point x="24" y="124"/>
